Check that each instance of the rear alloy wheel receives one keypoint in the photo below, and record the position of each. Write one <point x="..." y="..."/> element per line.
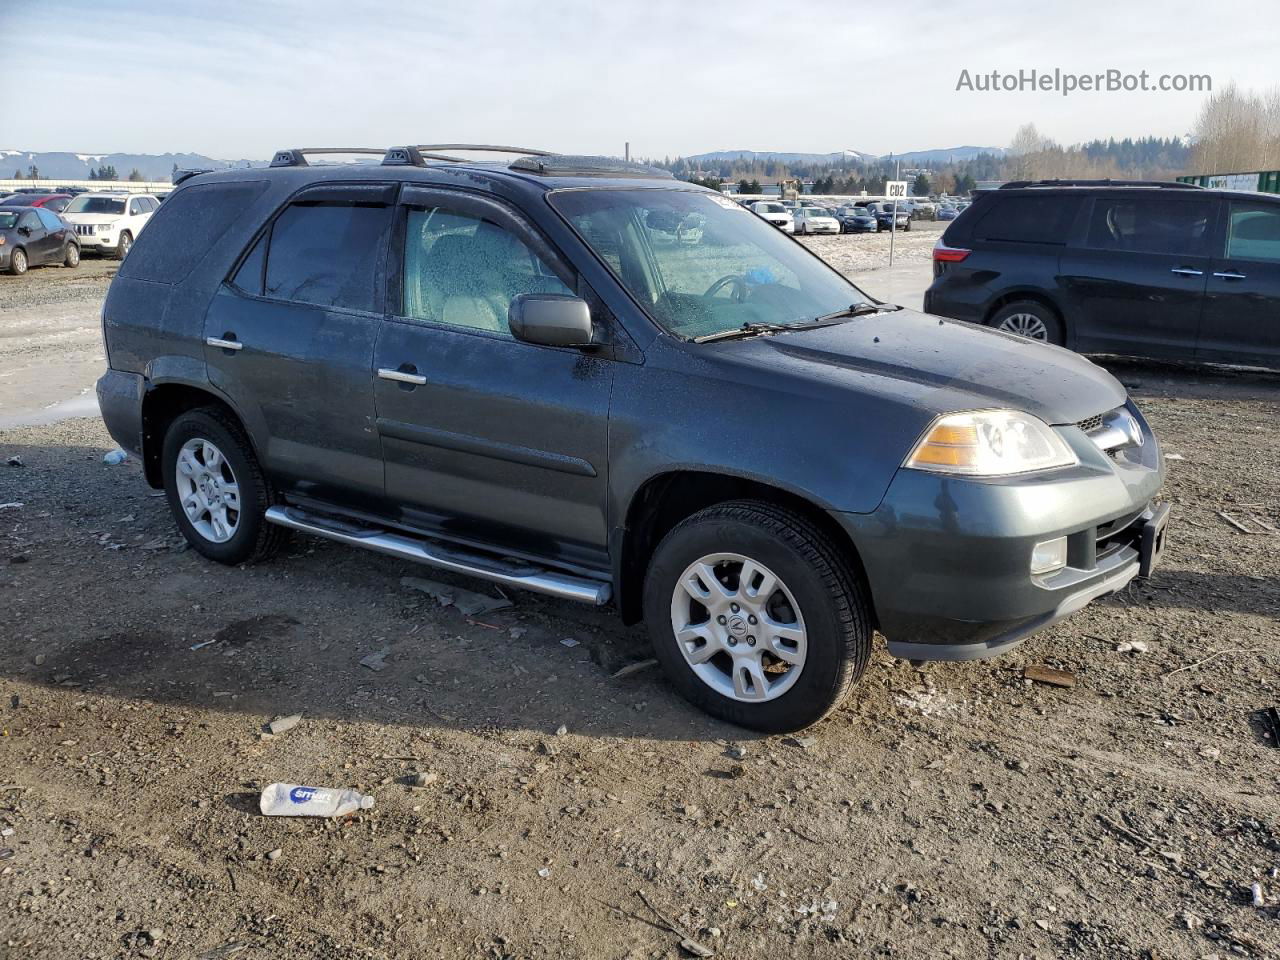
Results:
<point x="217" y="491"/>
<point x="18" y="262"/>
<point x="124" y="246"/>
<point x="1029" y="319"/>
<point x="756" y="617"/>
<point x="71" y="257"/>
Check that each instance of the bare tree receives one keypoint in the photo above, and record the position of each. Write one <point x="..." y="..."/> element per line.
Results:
<point x="1027" y="153"/>
<point x="1238" y="131"/>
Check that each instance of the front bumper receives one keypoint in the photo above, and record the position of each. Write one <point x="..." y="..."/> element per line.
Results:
<point x="948" y="558"/>
<point x="91" y="241"/>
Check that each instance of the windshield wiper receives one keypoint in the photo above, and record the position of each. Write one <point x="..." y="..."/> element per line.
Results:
<point x="746" y="330"/>
<point x="858" y="310"/>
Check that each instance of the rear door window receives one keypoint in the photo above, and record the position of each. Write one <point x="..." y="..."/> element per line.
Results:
<point x="1176" y="227"/>
<point x="1028" y="219"/>
<point x="1254" y="233"/>
<point x="49" y="219"/>
<point x="327" y="254"/>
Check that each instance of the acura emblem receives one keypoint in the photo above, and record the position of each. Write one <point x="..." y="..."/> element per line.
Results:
<point x="1133" y="429"/>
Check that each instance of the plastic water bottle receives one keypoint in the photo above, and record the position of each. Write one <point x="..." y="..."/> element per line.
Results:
<point x="295" y="800"/>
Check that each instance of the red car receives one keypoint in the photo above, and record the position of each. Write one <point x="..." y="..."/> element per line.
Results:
<point x="57" y="202"/>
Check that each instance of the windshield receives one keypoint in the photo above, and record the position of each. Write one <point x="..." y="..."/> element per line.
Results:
<point x="698" y="265"/>
<point x="95" y="205"/>
<point x="8" y="219"/>
<point x="774" y="208"/>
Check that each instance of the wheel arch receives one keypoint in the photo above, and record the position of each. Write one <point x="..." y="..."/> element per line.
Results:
<point x="163" y="403"/>
<point x="665" y="499"/>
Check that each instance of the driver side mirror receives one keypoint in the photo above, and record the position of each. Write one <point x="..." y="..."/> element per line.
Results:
<point x="551" y="319"/>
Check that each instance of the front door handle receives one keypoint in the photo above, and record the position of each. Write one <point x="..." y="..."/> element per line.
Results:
<point x="1187" y="272"/>
<point x="401" y="376"/>
<point x="225" y="342"/>
<point x="1230" y="275"/>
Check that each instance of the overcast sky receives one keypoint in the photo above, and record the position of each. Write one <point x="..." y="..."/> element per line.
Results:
<point x="241" y="78"/>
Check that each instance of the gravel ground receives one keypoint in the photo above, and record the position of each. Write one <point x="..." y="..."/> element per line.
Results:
<point x="955" y="811"/>
<point x="852" y="253"/>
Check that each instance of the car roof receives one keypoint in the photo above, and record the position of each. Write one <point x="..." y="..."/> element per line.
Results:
<point x="1143" y="188"/>
<point x="460" y="174"/>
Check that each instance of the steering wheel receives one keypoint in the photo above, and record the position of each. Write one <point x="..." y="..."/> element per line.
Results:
<point x="736" y="280"/>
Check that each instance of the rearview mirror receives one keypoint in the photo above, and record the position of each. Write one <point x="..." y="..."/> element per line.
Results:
<point x="550" y="319"/>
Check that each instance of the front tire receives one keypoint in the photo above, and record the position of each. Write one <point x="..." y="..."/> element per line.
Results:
<point x="124" y="245"/>
<point x="18" y="262"/>
<point x="756" y="617"/>
<point x="217" y="491"/>
<point x="71" y="256"/>
<point x="1030" y="319"/>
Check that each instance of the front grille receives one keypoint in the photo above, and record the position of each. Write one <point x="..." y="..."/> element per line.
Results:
<point x="84" y="229"/>
<point x="1091" y="424"/>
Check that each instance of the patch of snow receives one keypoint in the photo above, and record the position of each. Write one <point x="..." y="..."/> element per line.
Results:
<point x="90" y="157"/>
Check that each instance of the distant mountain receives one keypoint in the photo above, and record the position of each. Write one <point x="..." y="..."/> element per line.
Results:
<point x="763" y="156"/>
<point x="942" y="156"/>
<point x="856" y="156"/>
<point x="76" y="166"/>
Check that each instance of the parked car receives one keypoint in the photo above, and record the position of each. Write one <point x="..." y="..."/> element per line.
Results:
<point x="888" y="216"/>
<point x="725" y="439"/>
<point x="776" y="214"/>
<point x="855" y="219"/>
<point x="815" y="220"/>
<point x="945" y="213"/>
<point x="35" y="237"/>
<point x="1163" y="270"/>
<point x="109" y="223"/>
<point x="56" y="202"/>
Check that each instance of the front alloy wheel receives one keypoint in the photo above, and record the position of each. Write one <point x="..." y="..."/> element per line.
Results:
<point x="1025" y="325"/>
<point x="757" y="615"/>
<point x="739" y="627"/>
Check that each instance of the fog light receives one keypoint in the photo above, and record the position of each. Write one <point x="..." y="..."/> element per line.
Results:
<point x="1048" y="556"/>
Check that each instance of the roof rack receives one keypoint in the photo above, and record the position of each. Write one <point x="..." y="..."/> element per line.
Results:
<point x="297" y="157"/>
<point x="559" y="165"/>
<point x="418" y="154"/>
<point x="1162" y="184"/>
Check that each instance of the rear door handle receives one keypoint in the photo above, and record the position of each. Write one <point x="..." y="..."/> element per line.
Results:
<point x="224" y="344"/>
<point x="1187" y="272"/>
<point x="401" y="376"/>
<point x="1230" y="275"/>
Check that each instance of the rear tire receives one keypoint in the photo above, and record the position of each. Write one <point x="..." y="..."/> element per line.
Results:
<point x="1030" y="319"/>
<point x="71" y="256"/>
<point x="226" y="528"/>
<point x="18" y="262"/>
<point x="818" y="611"/>
<point x="124" y="245"/>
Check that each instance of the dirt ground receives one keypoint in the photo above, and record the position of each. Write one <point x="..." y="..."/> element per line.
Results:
<point x="955" y="811"/>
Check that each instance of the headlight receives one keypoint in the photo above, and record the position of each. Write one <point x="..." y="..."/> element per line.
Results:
<point x="106" y="227"/>
<point x="991" y="443"/>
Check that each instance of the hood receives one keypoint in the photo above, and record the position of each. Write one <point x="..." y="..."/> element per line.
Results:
<point x="92" y="217"/>
<point x="940" y="366"/>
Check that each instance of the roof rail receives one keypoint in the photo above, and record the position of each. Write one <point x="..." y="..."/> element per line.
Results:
<point x="297" y="157"/>
<point x="1108" y="182"/>
<point x="418" y="154"/>
<point x="182" y="176"/>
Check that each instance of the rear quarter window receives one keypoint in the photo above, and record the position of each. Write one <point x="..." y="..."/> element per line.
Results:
<point x="186" y="227"/>
<point x="1026" y="219"/>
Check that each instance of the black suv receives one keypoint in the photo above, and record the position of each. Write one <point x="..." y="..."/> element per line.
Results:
<point x="582" y="377"/>
<point x="1145" y="269"/>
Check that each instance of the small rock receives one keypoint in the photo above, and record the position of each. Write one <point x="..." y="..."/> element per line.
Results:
<point x="424" y="779"/>
<point x="1042" y="924"/>
<point x="568" y="642"/>
<point x="1210" y="753"/>
<point x="15" y="461"/>
<point x="284" y="724"/>
<point x="737" y="753"/>
<point x="1139" y="646"/>
<point x="804" y="743"/>
<point x="562" y="730"/>
<point x="544" y="872"/>
<point x="274" y="854"/>
<point x="155" y="934"/>
<point x="375" y="661"/>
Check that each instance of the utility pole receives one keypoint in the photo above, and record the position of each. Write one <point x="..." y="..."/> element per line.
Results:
<point x="626" y="151"/>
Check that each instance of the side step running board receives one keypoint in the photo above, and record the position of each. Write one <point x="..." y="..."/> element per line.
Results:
<point x="524" y="576"/>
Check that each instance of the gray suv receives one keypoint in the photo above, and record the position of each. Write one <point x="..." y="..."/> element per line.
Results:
<point x="578" y="376"/>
